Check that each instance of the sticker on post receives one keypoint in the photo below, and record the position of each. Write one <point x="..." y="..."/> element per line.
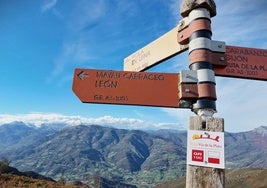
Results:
<point x="205" y="148"/>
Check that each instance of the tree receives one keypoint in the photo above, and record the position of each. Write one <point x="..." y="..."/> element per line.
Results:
<point x="4" y="165"/>
<point x="62" y="179"/>
<point x="5" y="161"/>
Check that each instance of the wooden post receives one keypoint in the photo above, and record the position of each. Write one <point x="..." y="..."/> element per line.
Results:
<point x="197" y="34"/>
<point x="205" y="177"/>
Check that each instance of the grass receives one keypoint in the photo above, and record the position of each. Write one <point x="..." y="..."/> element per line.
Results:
<point x="14" y="181"/>
<point x="234" y="178"/>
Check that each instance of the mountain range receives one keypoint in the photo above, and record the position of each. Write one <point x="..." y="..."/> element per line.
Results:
<point x="130" y="156"/>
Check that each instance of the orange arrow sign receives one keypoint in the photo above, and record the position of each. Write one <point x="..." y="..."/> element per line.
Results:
<point x="250" y="63"/>
<point x="129" y="88"/>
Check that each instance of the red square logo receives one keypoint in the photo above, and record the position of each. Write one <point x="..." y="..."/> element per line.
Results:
<point x="198" y="155"/>
<point x="214" y="160"/>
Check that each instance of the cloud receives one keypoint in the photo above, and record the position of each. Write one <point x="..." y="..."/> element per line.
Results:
<point x="174" y="7"/>
<point x="73" y="54"/>
<point x="236" y="23"/>
<point x="77" y="51"/>
<point x="242" y="103"/>
<point x="39" y="119"/>
<point x="48" y="4"/>
<point x="78" y="44"/>
<point x="97" y="30"/>
<point x="86" y="13"/>
<point x="181" y="116"/>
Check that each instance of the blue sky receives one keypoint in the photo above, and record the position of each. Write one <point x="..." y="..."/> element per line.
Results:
<point x="42" y="42"/>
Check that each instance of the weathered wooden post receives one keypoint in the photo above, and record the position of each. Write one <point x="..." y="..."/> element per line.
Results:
<point x="202" y="156"/>
<point x="201" y="176"/>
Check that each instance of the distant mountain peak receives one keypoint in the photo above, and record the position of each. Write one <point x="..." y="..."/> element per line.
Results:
<point x="261" y="130"/>
<point x="15" y="123"/>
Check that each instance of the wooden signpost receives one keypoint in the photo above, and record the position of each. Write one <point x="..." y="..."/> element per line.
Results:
<point x="193" y="89"/>
<point x="128" y="88"/>
<point x="249" y="63"/>
<point x="155" y="52"/>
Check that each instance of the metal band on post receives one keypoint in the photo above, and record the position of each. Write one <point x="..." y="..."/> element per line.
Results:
<point x="200" y="39"/>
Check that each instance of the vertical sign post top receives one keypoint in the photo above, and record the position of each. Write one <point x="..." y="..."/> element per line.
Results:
<point x="187" y="6"/>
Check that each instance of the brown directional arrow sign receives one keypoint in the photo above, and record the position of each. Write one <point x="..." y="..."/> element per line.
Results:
<point x="242" y="62"/>
<point x="124" y="87"/>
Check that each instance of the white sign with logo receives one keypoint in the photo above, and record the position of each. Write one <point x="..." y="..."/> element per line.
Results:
<point x="205" y="148"/>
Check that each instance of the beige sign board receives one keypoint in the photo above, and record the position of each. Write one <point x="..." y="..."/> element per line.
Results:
<point x="155" y="52"/>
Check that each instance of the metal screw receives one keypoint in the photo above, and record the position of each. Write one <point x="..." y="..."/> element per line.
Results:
<point x="222" y="58"/>
<point x="181" y="36"/>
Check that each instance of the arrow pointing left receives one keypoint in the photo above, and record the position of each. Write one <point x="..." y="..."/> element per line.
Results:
<point x="82" y="75"/>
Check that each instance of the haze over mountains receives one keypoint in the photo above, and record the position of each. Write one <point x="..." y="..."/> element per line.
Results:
<point x="59" y="121"/>
<point x="132" y="156"/>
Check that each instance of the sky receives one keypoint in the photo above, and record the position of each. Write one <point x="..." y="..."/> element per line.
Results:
<point x="43" y="41"/>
